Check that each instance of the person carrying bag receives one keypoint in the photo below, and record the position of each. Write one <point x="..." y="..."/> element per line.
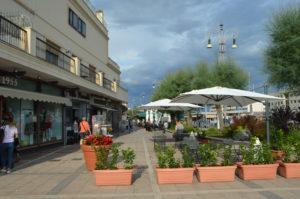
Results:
<point x="84" y="129"/>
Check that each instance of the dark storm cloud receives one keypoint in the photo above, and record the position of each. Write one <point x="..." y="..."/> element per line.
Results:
<point x="150" y="38"/>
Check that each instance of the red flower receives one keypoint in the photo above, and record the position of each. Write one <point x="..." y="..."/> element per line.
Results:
<point x="97" y="140"/>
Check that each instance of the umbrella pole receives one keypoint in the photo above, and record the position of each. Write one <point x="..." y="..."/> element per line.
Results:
<point x="267" y="114"/>
<point x="268" y="121"/>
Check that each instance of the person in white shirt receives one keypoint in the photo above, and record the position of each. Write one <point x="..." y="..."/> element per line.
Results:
<point x="166" y="125"/>
<point x="10" y="133"/>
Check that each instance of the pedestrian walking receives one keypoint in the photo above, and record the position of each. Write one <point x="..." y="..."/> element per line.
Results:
<point x="130" y="123"/>
<point x="10" y="133"/>
<point x="84" y="129"/>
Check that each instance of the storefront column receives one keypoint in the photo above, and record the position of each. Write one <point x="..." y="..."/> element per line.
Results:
<point x="64" y="125"/>
<point x="1" y="108"/>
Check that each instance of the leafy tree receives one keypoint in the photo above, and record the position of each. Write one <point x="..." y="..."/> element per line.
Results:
<point x="282" y="57"/>
<point x="226" y="73"/>
<point x="173" y="84"/>
<point x="202" y="77"/>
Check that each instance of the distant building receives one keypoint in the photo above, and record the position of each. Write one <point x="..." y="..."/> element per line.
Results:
<point x="55" y="68"/>
<point x="292" y="98"/>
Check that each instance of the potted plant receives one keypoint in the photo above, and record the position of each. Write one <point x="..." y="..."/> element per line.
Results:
<point x="210" y="170"/>
<point x="258" y="162"/>
<point x="201" y="136"/>
<point x="107" y="172"/>
<point x="88" y="147"/>
<point x="290" y="165"/>
<point x="278" y="142"/>
<point x="170" y="170"/>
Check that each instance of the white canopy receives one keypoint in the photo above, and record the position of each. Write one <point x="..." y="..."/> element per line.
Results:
<point x="223" y="96"/>
<point x="165" y="104"/>
<point x="28" y="95"/>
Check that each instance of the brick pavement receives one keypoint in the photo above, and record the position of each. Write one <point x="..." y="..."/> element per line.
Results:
<point x="60" y="173"/>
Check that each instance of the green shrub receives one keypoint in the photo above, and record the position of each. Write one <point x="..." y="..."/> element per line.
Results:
<point x="128" y="157"/>
<point x="209" y="155"/>
<point x="170" y="156"/>
<point x="189" y="129"/>
<point x="278" y="139"/>
<point x="227" y="155"/>
<point x="172" y="126"/>
<point x="227" y="131"/>
<point x="213" y="132"/>
<point x="256" y="154"/>
<point x="187" y="158"/>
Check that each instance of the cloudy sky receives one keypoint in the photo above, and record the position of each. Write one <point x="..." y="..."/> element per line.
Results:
<point x="151" y="38"/>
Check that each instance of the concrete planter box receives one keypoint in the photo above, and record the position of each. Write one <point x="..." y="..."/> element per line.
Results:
<point x="216" y="173"/>
<point x="113" y="177"/>
<point x="257" y="172"/>
<point x="289" y="170"/>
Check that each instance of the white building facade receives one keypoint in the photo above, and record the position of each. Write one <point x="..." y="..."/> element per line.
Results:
<point x="55" y="68"/>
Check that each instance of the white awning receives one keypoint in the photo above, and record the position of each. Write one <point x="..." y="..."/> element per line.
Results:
<point x="103" y="107"/>
<point x="28" y="95"/>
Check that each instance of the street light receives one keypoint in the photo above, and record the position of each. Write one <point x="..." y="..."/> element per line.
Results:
<point x="222" y="36"/>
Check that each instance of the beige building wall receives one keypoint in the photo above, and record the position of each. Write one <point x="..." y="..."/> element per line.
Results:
<point x="49" y="19"/>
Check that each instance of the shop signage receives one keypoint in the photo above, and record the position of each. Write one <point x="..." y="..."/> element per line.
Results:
<point x="9" y="81"/>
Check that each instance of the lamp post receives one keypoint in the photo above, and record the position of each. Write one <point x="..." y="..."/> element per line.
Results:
<point x="222" y="37"/>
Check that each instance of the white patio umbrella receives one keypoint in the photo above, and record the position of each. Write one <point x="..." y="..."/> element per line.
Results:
<point x="166" y="104"/>
<point x="225" y="96"/>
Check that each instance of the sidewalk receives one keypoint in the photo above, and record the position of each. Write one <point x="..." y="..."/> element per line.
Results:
<point x="61" y="173"/>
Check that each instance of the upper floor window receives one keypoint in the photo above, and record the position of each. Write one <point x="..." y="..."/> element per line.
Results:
<point x="77" y="23"/>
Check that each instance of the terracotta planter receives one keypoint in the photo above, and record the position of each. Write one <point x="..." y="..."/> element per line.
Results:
<point x="90" y="156"/>
<point x="289" y="170"/>
<point x="278" y="154"/>
<point x="257" y="172"/>
<point x="113" y="177"/>
<point x="216" y="174"/>
<point x="175" y="175"/>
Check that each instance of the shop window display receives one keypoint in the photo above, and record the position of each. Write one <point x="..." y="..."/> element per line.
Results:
<point x="28" y="134"/>
<point x="12" y="111"/>
<point x="51" y="122"/>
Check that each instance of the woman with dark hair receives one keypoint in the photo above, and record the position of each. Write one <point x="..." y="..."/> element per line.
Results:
<point x="10" y="133"/>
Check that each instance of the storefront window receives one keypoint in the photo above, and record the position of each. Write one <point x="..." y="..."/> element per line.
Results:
<point x="12" y="111"/>
<point x="28" y="134"/>
<point x="51" y="122"/>
<point x="51" y="90"/>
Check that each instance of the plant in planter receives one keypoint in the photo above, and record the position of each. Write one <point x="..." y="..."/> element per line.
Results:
<point x="107" y="172"/>
<point x="210" y="170"/>
<point x="290" y="165"/>
<point x="278" y="142"/>
<point x="258" y="162"/>
<point x="170" y="170"/>
<point x="201" y="136"/>
<point x="88" y="145"/>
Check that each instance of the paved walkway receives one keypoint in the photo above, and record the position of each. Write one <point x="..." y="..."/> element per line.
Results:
<point x="61" y="173"/>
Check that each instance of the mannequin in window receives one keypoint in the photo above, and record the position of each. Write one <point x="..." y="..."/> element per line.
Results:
<point x="29" y="124"/>
<point x="48" y="125"/>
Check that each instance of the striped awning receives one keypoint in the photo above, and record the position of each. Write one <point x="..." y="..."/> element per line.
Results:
<point x="28" y="95"/>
